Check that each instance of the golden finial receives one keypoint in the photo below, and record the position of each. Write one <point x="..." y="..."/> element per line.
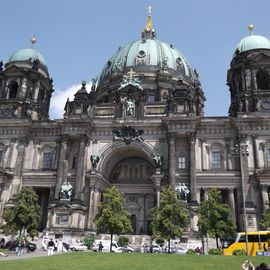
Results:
<point x="33" y="40"/>
<point x="149" y="25"/>
<point x="251" y="28"/>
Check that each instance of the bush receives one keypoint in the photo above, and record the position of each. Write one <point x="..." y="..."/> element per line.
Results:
<point x="190" y="251"/>
<point x="89" y="241"/>
<point x="122" y="241"/>
<point x="238" y="252"/>
<point x="215" y="251"/>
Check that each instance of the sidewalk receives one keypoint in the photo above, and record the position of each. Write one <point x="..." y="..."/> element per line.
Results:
<point x="37" y="253"/>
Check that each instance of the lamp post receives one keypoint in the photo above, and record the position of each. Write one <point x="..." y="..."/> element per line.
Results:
<point x="241" y="151"/>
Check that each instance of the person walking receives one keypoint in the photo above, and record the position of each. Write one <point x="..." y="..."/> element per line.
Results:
<point x="50" y="247"/>
<point x="20" y="247"/>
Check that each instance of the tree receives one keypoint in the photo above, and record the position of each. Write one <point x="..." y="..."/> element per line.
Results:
<point x="89" y="241"/>
<point x="111" y="216"/>
<point x="24" y="214"/>
<point x="215" y="218"/>
<point x="170" y="218"/>
<point x="265" y="222"/>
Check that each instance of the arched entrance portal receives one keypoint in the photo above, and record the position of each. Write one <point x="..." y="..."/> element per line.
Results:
<point x="132" y="176"/>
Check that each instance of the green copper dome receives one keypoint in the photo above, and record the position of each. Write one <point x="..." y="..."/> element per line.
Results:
<point x="252" y="42"/>
<point x="27" y="54"/>
<point x="149" y="54"/>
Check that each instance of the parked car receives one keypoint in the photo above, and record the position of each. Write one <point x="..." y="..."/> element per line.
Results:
<point x="127" y="249"/>
<point x="12" y="245"/>
<point x="180" y="250"/>
<point x="153" y="249"/>
<point x="106" y="246"/>
<point x="78" y="247"/>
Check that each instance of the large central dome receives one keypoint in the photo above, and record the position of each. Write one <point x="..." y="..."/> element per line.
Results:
<point x="147" y="53"/>
<point x="150" y="53"/>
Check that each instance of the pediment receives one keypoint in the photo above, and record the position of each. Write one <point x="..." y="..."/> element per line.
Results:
<point x="129" y="88"/>
<point x="13" y="70"/>
<point x="261" y="175"/>
<point x="262" y="58"/>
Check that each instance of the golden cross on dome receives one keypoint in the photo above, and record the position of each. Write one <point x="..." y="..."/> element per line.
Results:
<point x="131" y="73"/>
<point x="149" y="10"/>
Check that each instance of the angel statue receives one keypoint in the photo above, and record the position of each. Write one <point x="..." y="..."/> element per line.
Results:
<point x="94" y="160"/>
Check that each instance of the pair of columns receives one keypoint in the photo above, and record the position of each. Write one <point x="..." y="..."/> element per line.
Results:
<point x="192" y="163"/>
<point x="94" y="199"/>
<point x="63" y="169"/>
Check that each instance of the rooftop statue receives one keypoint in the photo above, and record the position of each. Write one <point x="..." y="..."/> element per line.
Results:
<point x="129" y="106"/>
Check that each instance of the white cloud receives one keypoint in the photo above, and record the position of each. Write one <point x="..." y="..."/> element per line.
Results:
<point x="59" y="98"/>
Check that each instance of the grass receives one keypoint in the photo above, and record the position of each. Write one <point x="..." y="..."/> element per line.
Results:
<point x="136" y="261"/>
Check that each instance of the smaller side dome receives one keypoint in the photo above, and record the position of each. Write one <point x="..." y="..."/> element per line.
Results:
<point x="27" y="54"/>
<point x="252" y="42"/>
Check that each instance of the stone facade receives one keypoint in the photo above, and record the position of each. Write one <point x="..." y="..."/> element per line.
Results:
<point x="114" y="134"/>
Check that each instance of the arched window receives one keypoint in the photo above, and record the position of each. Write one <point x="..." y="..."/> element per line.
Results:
<point x="13" y="90"/>
<point x="263" y="80"/>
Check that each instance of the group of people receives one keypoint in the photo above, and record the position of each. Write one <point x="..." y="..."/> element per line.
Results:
<point x="247" y="265"/>
<point x="53" y="246"/>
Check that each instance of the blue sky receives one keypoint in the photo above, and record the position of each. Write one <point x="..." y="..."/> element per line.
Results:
<point x="78" y="37"/>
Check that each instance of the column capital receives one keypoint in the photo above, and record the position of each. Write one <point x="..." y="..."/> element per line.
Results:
<point x="23" y="141"/>
<point x="191" y="136"/>
<point x="171" y="136"/>
<point x="264" y="187"/>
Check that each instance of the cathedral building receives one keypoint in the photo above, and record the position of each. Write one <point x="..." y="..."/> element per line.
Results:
<point x="140" y="127"/>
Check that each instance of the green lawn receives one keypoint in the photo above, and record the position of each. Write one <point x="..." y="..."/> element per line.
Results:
<point x="107" y="261"/>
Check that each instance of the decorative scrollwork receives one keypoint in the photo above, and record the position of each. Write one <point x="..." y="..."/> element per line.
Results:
<point x="127" y="134"/>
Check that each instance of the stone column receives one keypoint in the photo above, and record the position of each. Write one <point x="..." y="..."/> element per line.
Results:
<point x="265" y="199"/>
<point x="228" y="143"/>
<point x="80" y="172"/>
<point x="232" y="203"/>
<point x="96" y="200"/>
<point x="157" y="182"/>
<point x="202" y="141"/>
<point x="18" y="170"/>
<point x="205" y="195"/>
<point x="255" y="151"/>
<point x="22" y="143"/>
<point x="192" y="166"/>
<point x="198" y="195"/>
<point x="10" y="153"/>
<point x="172" y="161"/>
<point x="91" y="206"/>
<point x="61" y="167"/>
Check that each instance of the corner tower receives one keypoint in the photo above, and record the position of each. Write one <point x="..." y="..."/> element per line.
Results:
<point x="25" y="86"/>
<point x="249" y="76"/>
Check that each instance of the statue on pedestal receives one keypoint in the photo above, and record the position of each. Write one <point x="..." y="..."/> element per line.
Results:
<point x="66" y="191"/>
<point x="94" y="160"/>
<point x="182" y="191"/>
<point x="158" y="160"/>
<point x="129" y="106"/>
